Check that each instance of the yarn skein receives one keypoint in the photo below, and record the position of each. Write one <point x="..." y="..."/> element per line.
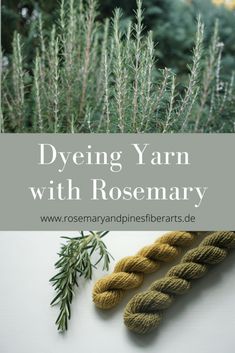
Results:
<point x="129" y="272"/>
<point x="144" y="311"/>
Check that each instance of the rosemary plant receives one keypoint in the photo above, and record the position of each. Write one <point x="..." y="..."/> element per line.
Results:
<point x="76" y="260"/>
<point x="100" y="77"/>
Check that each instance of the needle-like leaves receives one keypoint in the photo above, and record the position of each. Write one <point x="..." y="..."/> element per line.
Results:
<point x="76" y="259"/>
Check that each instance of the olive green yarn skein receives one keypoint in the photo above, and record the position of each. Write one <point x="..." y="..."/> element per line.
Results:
<point x="129" y="272"/>
<point x="144" y="311"/>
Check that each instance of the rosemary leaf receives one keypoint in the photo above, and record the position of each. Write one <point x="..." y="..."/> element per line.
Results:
<point x="76" y="259"/>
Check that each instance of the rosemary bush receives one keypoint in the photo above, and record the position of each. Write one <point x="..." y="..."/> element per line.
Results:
<point x="98" y="77"/>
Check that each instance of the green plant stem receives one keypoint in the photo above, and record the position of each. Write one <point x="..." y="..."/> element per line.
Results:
<point x="75" y="259"/>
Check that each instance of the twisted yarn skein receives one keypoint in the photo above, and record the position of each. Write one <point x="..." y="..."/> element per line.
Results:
<point x="144" y="311"/>
<point x="129" y="272"/>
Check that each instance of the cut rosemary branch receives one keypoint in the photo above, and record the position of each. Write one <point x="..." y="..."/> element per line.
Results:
<point x="75" y="259"/>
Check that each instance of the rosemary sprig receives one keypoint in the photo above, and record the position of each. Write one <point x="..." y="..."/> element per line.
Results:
<point x="75" y="259"/>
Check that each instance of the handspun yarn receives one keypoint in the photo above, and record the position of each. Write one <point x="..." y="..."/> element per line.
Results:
<point x="129" y="272"/>
<point x="144" y="311"/>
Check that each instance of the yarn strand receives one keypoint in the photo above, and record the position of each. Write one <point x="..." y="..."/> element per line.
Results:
<point x="144" y="311"/>
<point x="129" y="272"/>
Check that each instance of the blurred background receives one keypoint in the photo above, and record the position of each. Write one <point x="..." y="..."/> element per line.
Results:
<point x="173" y="23"/>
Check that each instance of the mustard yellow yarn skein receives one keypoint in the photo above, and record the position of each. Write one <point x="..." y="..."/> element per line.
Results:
<point x="144" y="311"/>
<point x="129" y="272"/>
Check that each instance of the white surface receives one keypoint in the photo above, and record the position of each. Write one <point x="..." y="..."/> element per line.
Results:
<point x="202" y="321"/>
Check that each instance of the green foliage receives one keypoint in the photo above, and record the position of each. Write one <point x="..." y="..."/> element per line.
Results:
<point x="174" y="31"/>
<point x="226" y="31"/>
<point x="90" y="76"/>
<point x="21" y="16"/>
<point x="172" y="24"/>
<point x="76" y="259"/>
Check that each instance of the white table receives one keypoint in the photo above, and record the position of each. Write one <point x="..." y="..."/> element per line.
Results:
<point x="202" y="321"/>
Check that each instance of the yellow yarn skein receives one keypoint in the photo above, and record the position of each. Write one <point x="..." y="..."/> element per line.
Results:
<point x="129" y="272"/>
